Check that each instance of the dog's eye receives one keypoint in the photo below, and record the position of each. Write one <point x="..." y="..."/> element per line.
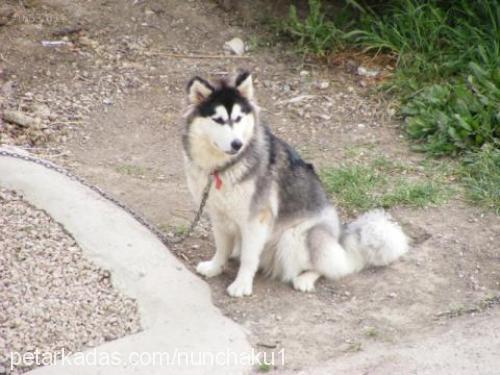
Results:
<point x="219" y="120"/>
<point x="237" y="119"/>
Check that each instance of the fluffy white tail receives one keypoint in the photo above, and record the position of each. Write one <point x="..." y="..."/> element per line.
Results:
<point x="374" y="239"/>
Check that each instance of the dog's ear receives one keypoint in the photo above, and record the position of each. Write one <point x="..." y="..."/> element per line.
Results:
<point x="198" y="90"/>
<point x="244" y="85"/>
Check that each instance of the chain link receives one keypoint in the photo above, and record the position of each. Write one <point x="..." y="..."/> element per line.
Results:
<point x="167" y="241"/>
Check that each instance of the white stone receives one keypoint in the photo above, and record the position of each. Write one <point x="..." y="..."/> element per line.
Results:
<point x="235" y="46"/>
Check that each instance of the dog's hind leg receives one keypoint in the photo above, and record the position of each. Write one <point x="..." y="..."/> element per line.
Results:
<point x="224" y="237"/>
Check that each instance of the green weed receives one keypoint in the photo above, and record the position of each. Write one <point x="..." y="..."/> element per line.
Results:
<point x="480" y="174"/>
<point x="454" y="117"/>
<point x="264" y="367"/>
<point x="380" y="184"/>
<point x="371" y="332"/>
<point x="315" y="34"/>
<point x="131" y="170"/>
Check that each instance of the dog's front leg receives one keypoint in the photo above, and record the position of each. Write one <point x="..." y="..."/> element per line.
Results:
<point x="253" y="238"/>
<point x="224" y="242"/>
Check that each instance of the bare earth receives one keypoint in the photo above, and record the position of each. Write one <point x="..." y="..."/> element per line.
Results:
<point x="111" y="104"/>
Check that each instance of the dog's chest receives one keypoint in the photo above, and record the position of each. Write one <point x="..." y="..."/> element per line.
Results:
<point x="227" y="197"/>
<point x="231" y="200"/>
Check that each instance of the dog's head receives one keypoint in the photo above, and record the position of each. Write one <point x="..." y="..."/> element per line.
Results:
<point x="222" y="116"/>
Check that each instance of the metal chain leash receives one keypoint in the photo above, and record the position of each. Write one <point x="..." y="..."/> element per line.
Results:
<point x="168" y="241"/>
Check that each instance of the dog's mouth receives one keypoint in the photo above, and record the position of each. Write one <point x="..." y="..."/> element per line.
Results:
<point x="232" y="152"/>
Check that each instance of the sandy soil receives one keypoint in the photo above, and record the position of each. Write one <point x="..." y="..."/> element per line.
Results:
<point x="115" y="96"/>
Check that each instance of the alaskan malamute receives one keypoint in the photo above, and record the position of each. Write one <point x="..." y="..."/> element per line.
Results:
<point x="267" y="206"/>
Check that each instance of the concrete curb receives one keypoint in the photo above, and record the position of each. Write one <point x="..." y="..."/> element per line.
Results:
<point x="175" y="306"/>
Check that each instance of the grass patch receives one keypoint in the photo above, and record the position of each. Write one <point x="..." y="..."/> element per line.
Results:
<point x="354" y="347"/>
<point x="477" y="307"/>
<point x="177" y="230"/>
<point x="131" y="170"/>
<point x="417" y="194"/>
<point x="480" y="173"/>
<point x="353" y="186"/>
<point x="264" y="367"/>
<point x="381" y="184"/>
<point x="371" y="332"/>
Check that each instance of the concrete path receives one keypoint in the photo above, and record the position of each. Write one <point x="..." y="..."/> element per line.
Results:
<point x="183" y="331"/>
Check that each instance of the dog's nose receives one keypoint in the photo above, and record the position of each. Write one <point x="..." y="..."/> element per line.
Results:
<point x="236" y="144"/>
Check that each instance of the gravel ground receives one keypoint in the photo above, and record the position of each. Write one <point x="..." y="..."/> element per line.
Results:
<point x="51" y="297"/>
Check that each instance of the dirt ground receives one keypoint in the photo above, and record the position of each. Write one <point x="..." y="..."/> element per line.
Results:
<point x="109" y="105"/>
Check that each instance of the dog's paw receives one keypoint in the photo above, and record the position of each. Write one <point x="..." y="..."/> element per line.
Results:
<point x="209" y="268"/>
<point x="305" y="282"/>
<point x="240" y="288"/>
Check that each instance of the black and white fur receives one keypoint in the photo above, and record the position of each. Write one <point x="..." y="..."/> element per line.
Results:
<point x="271" y="210"/>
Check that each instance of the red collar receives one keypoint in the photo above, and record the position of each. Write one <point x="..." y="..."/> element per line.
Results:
<point x="218" y="180"/>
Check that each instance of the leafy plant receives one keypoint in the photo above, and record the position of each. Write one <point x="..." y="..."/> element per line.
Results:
<point x="458" y="116"/>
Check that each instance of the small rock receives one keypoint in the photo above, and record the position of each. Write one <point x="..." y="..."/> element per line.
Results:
<point x="235" y="46"/>
<point x="304" y="73"/>
<point x="157" y="8"/>
<point x="351" y="66"/>
<point x="21" y="119"/>
<point x="393" y="295"/>
<point x="55" y="43"/>
<point x="267" y="83"/>
<point x="148" y="12"/>
<point x="6" y="14"/>
<point x="362" y="71"/>
<point x="41" y="110"/>
<point x="391" y="112"/>
<point x="324" y="85"/>
<point x="7" y="88"/>
<point x="67" y="30"/>
<point x="87" y="42"/>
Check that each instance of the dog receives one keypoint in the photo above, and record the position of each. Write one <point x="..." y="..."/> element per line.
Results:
<point x="267" y="206"/>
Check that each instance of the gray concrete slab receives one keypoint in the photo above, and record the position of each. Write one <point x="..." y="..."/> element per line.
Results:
<point x="177" y="314"/>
